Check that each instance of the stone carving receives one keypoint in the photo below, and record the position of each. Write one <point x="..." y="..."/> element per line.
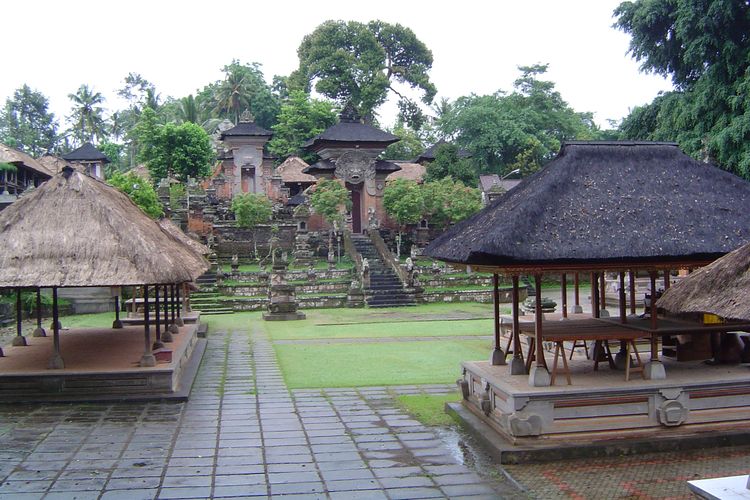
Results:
<point x="463" y="385"/>
<point x="530" y="426"/>
<point x="355" y="167"/>
<point x="372" y="221"/>
<point x="672" y="413"/>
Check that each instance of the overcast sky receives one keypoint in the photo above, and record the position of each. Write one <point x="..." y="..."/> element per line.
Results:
<point x="55" y="46"/>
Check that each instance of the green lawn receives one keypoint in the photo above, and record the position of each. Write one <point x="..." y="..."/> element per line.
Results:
<point x="95" y="320"/>
<point x="373" y="364"/>
<point x="303" y="330"/>
<point x="429" y="408"/>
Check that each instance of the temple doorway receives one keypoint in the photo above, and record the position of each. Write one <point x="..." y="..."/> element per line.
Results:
<point x="356" y="195"/>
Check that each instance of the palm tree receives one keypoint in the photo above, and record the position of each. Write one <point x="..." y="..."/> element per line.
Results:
<point x="233" y="94"/>
<point x="87" y="117"/>
<point x="187" y="111"/>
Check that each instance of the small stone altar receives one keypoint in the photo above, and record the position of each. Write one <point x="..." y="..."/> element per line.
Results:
<point x="282" y="299"/>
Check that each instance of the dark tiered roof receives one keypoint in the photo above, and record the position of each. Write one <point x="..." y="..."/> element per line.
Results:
<point x="87" y="152"/>
<point x="349" y="130"/>
<point x="246" y="129"/>
<point x="327" y="166"/>
<point x="620" y="204"/>
<point x="429" y="153"/>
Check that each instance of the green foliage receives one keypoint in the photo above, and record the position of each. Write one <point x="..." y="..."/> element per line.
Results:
<point x="429" y="409"/>
<point x="329" y="198"/>
<point x="408" y="148"/>
<point x="251" y="209"/>
<point x="243" y="88"/>
<point x="87" y="116"/>
<point x="358" y="64"/>
<point x="115" y="153"/>
<point x="177" y="193"/>
<point x="7" y="167"/>
<point x="703" y="45"/>
<point x="171" y="150"/>
<point x="300" y="119"/>
<point x="139" y="190"/>
<point x="448" y="163"/>
<point x="26" y="124"/>
<point x="524" y="127"/>
<point x="403" y="201"/>
<point x="448" y="201"/>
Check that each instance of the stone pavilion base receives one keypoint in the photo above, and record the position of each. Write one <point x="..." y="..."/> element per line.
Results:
<point x="100" y="365"/>
<point x="603" y="414"/>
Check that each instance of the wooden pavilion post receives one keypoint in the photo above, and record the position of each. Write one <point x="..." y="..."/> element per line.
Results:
<point x="517" y="366"/>
<point x="19" y="340"/>
<point x="39" y="331"/>
<point x="621" y="358"/>
<point x="148" y="358"/>
<point x="595" y="309"/>
<point x="603" y="295"/>
<point x="172" y="306"/>
<point x="56" y="361"/>
<point x="577" y="309"/>
<point x="631" y="277"/>
<point x="179" y="321"/>
<point x="654" y="369"/>
<point x="667" y="277"/>
<point x="117" y="323"/>
<point x="539" y="375"/>
<point x="497" y="357"/>
<point x="564" y="292"/>
<point x="158" y="344"/>
<point x="166" y="336"/>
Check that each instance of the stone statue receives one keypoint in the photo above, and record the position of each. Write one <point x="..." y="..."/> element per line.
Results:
<point x="365" y="267"/>
<point x="372" y="221"/>
<point x="435" y="268"/>
<point x="409" y="264"/>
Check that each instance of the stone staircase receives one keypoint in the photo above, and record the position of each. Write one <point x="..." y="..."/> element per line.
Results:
<point x="207" y="300"/>
<point x="385" y="288"/>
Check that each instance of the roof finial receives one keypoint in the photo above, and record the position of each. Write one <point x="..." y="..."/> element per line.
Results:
<point x="67" y="171"/>
<point x="247" y="117"/>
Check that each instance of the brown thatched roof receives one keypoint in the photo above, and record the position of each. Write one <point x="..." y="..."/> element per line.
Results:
<point x="55" y="164"/>
<point x="607" y="203"/>
<point x="173" y="230"/>
<point x="409" y="171"/>
<point x="141" y="171"/>
<point x="721" y="288"/>
<point x="75" y="230"/>
<point x="291" y="171"/>
<point x="19" y="158"/>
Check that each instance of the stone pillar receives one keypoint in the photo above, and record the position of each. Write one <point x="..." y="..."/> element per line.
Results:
<point x="39" y="331"/>
<point x="19" y="340"/>
<point x="56" y="361"/>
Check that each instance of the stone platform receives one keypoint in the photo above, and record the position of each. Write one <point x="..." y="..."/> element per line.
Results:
<point x="100" y="365"/>
<point x="600" y="409"/>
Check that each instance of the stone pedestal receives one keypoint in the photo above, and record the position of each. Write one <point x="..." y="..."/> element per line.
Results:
<point x="39" y="332"/>
<point x="497" y="357"/>
<point x="517" y="366"/>
<point x="19" y="341"/>
<point x="539" y="376"/>
<point x="282" y="300"/>
<point x="654" y="370"/>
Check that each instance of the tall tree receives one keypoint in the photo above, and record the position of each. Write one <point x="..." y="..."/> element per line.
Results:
<point x="300" y="119"/>
<point x="250" y="211"/>
<point x="526" y="126"/>
<point x="449" y="163"/>
<point x="704" y="47"/>
<point x="179" y="151"/>
<point x="26" y="123"/>
<point x="447" y="201"/>
<point x="359" y="64"/>
<point x="403" y="201"/>
<point x="329" y="198"/>
<point x="409" y="147"/>
<point x="87" y="115"/>
<point x="244" y="88"/>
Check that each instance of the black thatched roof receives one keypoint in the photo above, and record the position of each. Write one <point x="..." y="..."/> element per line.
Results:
<point x="327" y="166"/>
<point x="87" y="152"/>
<point x="607" y="203"/>
<point x="429" y="153"/>
<point x="296" y="200"/>
<point x="350" y="130"/>
<point x="246" y="129"/>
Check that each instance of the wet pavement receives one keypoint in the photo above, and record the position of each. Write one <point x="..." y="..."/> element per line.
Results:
<point x="241" y="434"/>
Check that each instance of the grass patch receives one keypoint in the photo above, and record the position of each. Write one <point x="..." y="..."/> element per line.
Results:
<point x="387" y="363"/>
<point x="94" y="320"/>
<point x="429" y="408"/>
<point x="439" y="328"/>
<point x="229" y="322"/>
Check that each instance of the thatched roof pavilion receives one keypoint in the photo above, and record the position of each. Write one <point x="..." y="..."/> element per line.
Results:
<point x="76" y="231"/>
<point x="607" y="204"/>
<point x="721" y="288"/>
<point x="616" y="206"/>
<point x="173" y="230"/>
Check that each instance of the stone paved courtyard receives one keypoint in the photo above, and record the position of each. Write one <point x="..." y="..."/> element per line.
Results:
<point x="244" y="434"/>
